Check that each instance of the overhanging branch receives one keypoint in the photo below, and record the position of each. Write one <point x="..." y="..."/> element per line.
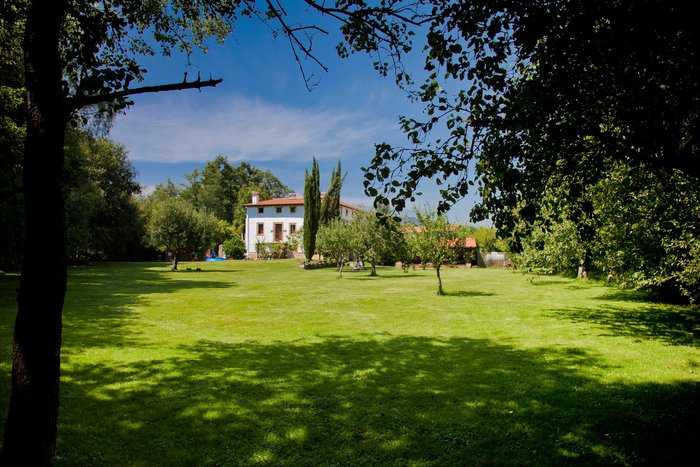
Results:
<point x="79" y="102"/>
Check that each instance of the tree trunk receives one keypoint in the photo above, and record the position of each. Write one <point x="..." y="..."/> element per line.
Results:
<point x="373" y="269"/>
<point x="341" y="263"/>
<point x="583" y="265"/>
<point x="440" y="291"/>
<point x="30" y="428"/>
<point x="176" y="258"/>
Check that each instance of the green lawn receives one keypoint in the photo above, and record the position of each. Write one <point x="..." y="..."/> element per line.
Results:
<point x="250" y="363"/>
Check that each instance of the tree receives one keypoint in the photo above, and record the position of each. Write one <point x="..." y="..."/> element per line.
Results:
<point x="555" y="249"/>
<point x="253" y="179"/>
<point x="101" y="216"/>
<point x="178" y="227"/>
<point x="541" y="100"/>
<point x="406" y="250"/>
<point x="487" y="239"/>
<point x="650" y="235"/>
<point x="222" y="189"/>
<point x="376" y="240"/>
<point x="80" y="57"/>
<point x="434" y="241"/>
<point x="213" y="189"/>
<point x="312" y="209"/>
<point x="12" y="130"/>
<point x="102" y="219"/>
<point x="68" y="65"/>
<point x="161" y="193"/>
<point x="334" y="241"/>
<point x="330" y="204"/>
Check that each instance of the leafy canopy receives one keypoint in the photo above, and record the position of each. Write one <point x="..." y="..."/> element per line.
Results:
<point x="533" y="96"/>
<point x="178" y="227"/>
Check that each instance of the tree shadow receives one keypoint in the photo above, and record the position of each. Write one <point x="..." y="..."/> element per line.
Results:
<point x="539" y="282"/>
<point x="380" y="276"/>
<point x="374" y="400"/>
<point x="102" y="300"/>
<point x="626" y="295"/>
<point x="193" y="269"/>
<point x="672" y="325"/>
<point x="468" y="293"/>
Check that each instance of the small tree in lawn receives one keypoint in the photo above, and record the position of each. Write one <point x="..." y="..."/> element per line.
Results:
<point x="375" y="240"/>
<point x="434" y="242"/>
<point x="404" y="251"/>
<point x="412" y="245"/>
<point x="334" y="241"/>
<point x="177" y="227"/>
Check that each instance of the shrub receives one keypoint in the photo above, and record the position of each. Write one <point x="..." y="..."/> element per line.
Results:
<point x="271" y="250"/>
<point x="234" y="248"/>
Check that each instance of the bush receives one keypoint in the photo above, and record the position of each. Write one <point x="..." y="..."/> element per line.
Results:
<point x="271" y="250"/>
<point x="554" y="251"/>
<point x="234" y="248"/>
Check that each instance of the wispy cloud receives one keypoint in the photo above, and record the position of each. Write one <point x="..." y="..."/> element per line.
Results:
<point x="172" y="130"/>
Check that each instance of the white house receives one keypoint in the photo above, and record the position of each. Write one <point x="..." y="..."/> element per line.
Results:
<point x="276" y="220"/>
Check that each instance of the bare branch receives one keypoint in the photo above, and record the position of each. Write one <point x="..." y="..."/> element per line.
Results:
<point x="78" y="102"/>
<point x="297" y="44"/>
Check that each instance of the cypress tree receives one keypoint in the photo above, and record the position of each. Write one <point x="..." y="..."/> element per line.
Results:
<point x="330" y="208"/>
<point x="312" y="209"/>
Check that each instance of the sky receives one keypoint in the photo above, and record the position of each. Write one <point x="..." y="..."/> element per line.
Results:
<point x="262" y="113"/>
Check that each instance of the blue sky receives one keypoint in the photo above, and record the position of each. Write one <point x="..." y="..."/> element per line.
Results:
<point x="262" y="113"/>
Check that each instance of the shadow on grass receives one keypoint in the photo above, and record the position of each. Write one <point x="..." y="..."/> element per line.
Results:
<point x="205" y="269"/>
<point x="101" y="299"/>
<point x="672" y="325"/>
<point x="626" y="296"/>
<point x="549" y="282"/>
<point x="468" y="293"/>
<point x="373" y="401"/>
<point x="366" y="276"/>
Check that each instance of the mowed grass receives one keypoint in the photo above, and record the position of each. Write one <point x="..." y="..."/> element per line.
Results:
<point x="249" y="363"/>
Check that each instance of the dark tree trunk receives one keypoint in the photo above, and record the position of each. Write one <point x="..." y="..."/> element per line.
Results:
<point x="176" y="259"/>
<point x="30" y="429"/>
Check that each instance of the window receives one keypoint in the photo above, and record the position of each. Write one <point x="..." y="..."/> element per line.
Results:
<point x="278" y="233"/>
<point x="278" y="210"/>
<point x="261" y="229"/>
<point x="261" y="210"/>
<point x="293" y="209"/>
<point x="292" y="229"/>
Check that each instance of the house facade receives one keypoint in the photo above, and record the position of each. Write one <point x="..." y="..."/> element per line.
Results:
<point x="277" y="220"/>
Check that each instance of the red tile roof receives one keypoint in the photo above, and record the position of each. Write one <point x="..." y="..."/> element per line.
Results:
<point x="349" y="206"/>
<point x="294" y="202"/>
<point x="468" y="242"/>
<point x="278" y="202"/>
